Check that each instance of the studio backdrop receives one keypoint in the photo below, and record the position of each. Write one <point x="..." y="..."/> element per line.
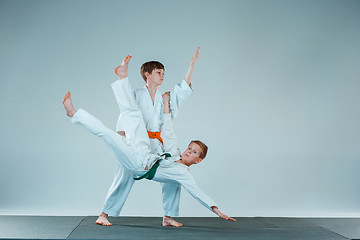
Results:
<point x="275" y="98"/>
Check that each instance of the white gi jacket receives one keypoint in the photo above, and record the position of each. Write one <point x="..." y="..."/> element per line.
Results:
<point x="153" y="113"/>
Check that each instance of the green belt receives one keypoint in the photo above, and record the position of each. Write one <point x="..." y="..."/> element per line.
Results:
<point x="151" y="173"/>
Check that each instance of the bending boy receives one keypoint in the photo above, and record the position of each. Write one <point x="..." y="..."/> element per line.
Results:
<point x="136" y="156"/>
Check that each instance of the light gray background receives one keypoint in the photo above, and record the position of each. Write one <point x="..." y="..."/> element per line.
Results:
<point x="276" y="98"/>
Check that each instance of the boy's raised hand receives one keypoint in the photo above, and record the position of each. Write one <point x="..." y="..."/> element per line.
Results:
<point x="122" y="70"/>
<point x="192" y="66"/>
<point x="195" y="57"/>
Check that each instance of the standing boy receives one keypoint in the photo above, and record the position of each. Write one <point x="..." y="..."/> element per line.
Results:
<point x="149" y="101"/>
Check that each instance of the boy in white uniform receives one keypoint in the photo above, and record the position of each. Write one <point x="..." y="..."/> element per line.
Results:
<point x="150" y="103"/>
<point x="136" y="155"/>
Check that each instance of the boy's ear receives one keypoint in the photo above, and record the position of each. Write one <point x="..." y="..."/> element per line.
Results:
<point x="199" y="160"/>
<point x="147" y="75"/>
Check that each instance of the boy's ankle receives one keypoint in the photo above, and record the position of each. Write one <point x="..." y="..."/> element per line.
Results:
<point x="102" y="214"/>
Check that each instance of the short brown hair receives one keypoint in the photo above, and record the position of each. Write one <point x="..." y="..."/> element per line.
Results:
<point x="203" y="147"/>
<point x="149" y="67"/>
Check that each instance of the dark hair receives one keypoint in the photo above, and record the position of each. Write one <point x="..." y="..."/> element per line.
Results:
<point x="203" y="147"/>
<point x="149" y="67"/>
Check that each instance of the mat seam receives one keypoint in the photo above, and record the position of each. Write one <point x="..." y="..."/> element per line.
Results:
<point x="75" y="228"/>
<point x="331" y="231"/>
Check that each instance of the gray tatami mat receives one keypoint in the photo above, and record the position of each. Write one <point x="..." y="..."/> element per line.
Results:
<point x="204" y="228"/>
<point x="347" y="227"/>
<point x="37" y="227"/>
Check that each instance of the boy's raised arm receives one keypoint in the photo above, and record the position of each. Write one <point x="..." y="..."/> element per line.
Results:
<point x="183" y="89"/>
<point x="192" y="66"/>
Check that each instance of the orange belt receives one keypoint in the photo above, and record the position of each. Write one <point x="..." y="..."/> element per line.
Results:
<point x="155" y="135"/>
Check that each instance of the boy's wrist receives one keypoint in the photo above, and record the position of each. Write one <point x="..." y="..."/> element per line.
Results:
<point x="166" y="108"/>
<point x="214" y="208"/>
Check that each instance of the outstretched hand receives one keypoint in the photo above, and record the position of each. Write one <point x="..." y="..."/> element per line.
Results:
<point x="222" y="215"/>
<point x="122" y="70"/>
<point x="192" y="66"/>
<point x="195" y="57"/>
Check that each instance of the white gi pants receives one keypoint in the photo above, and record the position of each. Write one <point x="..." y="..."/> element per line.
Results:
<point x="121" y="188"/>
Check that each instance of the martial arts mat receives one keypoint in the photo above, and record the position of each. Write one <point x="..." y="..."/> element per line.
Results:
<point x="347" y="227"/>
<point x="38" y="227"/>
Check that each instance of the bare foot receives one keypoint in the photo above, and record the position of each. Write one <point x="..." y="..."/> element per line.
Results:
<point x="168" y="221"/>
<point x="70" y="110"/>
<point x="102" y="220"/>
<point x="122" y="70"/>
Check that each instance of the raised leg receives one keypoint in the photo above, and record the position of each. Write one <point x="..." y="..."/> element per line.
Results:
<point x="126" y="156"/>
<point x="135" y="128"/>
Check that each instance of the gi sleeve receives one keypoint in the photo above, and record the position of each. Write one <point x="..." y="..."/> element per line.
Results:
<point x="189" y="184"/>
<point x="168" y="136"/>
<point x="177" y="96"/>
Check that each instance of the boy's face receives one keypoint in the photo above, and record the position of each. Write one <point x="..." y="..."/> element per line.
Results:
<point x="192" y="154"/>
<point x="156" y="77"/>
